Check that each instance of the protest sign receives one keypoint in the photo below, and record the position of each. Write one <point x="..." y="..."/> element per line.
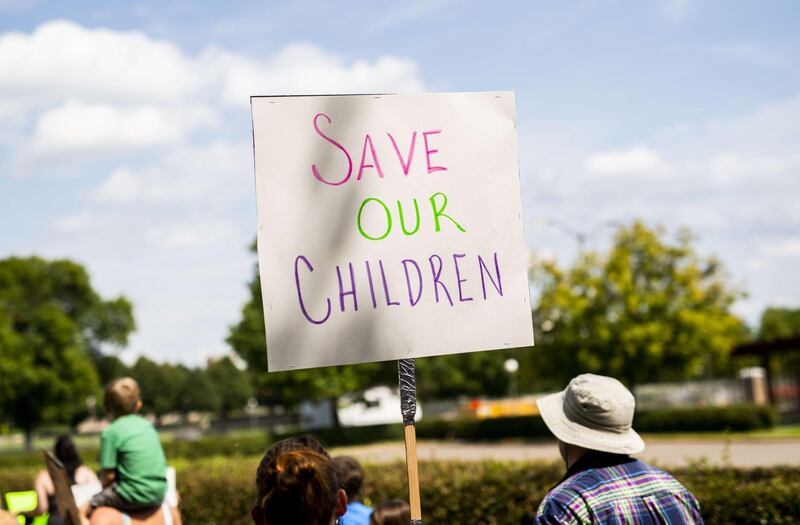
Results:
<point x="389" y="227"/>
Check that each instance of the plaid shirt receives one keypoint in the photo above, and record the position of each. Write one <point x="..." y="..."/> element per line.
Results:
<point x="608" y="488"/>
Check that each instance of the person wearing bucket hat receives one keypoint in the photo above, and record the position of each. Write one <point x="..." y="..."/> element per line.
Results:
<point x="592" y="420"/>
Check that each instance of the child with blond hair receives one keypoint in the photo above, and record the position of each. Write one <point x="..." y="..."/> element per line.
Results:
<point x="132" y="462"/>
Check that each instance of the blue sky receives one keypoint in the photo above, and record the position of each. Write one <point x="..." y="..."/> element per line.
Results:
<point x="125" y="130"/>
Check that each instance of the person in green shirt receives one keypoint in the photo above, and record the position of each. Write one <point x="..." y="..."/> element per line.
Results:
<point x="132" y="462"/>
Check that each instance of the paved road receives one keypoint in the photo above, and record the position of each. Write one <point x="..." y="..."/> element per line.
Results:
<point x="664" y="452"/>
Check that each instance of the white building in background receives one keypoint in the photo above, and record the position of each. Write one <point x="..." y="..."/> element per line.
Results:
<point x="379" y="405"/>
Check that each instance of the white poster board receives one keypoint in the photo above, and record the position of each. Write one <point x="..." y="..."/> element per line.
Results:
<point x="389" y="227"/>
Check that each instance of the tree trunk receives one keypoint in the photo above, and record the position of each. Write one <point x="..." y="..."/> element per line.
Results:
<point x="28" y="439"/>
<point x="334" y="412"/>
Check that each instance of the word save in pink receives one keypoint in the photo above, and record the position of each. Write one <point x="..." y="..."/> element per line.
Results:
<point x="368" y="149"/>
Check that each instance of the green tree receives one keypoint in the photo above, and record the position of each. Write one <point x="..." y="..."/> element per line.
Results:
<point x="232" y="385"/>
<point x="196" y="391"/>
<point x="478" y="374"/>
<point x="52" y="322"/>
<point x="648" y="310"/>
<point x="779" y="323"/>
<point x="248" y="340"/>
<point x="167" y="388"/>
<point x="110" y="367"/>
<point x="158" y="384"/>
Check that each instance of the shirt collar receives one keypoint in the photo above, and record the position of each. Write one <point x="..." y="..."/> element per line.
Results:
<point x="595" y="459"/>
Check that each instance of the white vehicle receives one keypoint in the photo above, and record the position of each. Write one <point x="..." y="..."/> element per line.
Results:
<point x="377" y="406"/>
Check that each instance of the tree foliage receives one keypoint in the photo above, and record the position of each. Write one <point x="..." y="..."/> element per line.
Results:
<point x="648" y="310"/>
<point x="232" y="385"/>
<point x="195" y="391"/>
<point x="52" y="322"/>
<point x="478" y="374"/>
<point x="167" y="388"/>
<point x="110" y="367"/>
<point x="779" y="323"/>
<point x="158" y="385"/>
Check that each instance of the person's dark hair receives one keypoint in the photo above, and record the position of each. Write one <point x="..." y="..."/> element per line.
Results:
<point x="350" y="474"/>
<point x="296" y="483"/>
<point x="121" y="396"/>
<point x="392" y="512"/>
<point x="67" y="453"/>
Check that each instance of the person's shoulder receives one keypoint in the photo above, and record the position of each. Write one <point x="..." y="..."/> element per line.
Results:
<point x="136" y="421"/>
<point x="127" y="424"/>
<point x="43" y="481"/>
<point x="112" y="428"/>
<point x="566" y="502"/>
<point x="85" y="475"/>
<point x="357" y="514"/>
<point x="640" y="467"/>
<point x="567" y="492"/>
<point x="359" y="509"/>
<point x="653" y="480"/>
<point x="574" y="485"/>
<point x="563" y="504"/>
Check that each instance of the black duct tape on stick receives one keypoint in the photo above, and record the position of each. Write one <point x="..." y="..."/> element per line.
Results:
<point x="408" y="390"/>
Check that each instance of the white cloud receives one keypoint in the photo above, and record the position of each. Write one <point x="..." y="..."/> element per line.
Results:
<point x="729" y="168"/>
<point x="198" y="234"/>
<point x="76" y="127"/>
<point x="86" y="92"/>
<point x="120" y="186"/>
<point x="184" y="176"/>
<point x="62" y="59"/>
<point x="789" y="248"/>
<point x="749" y="53"/>
<point x="637" y="160"/>
<point x="73" y="223"/>
<point x="307" y="69"/>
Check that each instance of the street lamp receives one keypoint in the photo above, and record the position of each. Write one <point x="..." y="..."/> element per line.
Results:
<point x="512" y="366"/>
<point x="250" y="409"/>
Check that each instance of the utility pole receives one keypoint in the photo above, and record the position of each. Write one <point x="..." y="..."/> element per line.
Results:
<point x="581" y="236"/>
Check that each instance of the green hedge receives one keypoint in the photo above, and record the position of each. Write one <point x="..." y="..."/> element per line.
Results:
<point x="706" y="419"/>
<point x="230" y="446"/>
<point x="483" y="429"/>
<point x="220" y="491"/>
<point x="357" y="435"/>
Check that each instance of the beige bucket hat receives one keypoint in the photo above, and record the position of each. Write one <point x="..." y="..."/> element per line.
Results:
<point x="593" y="412"/>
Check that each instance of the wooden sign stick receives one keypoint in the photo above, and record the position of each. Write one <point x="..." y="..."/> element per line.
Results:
<point x="408" y="407"/>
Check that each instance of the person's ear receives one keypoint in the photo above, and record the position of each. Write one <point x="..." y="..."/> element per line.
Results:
<point x="341" y="502"/>
<point x="255" y="513"/>
<point x="138" y="406"/>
